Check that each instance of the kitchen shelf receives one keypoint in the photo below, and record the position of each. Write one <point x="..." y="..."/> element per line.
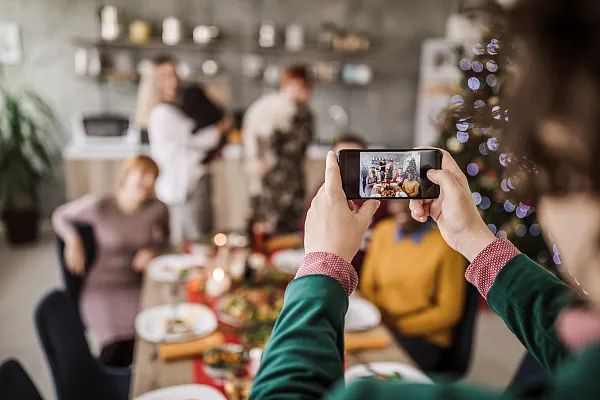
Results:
<point x="153" y="44"/>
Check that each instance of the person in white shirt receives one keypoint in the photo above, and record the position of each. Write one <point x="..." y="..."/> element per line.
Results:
<point x="183" y="129"/>
<point x="277" y="129"/>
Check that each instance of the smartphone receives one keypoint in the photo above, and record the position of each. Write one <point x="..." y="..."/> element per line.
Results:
<point x="389" y="174"/>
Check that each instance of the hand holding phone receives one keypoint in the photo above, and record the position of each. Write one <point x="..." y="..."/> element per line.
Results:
<point x="389" y="174"/>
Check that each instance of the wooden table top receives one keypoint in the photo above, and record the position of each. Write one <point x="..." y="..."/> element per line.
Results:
<point x="151" y="373"/>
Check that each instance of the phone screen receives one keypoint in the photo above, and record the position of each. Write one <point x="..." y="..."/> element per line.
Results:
<point x="389" y="174"/>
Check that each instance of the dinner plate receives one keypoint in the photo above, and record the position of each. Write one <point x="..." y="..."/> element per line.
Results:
<point x="171" y="268"/>
<point x="362" y="315"/>
<point x="288" y="260"/>
<point x="150" y="324"/>
<point x="407" y="372"/>
<point x="183" y="392"/>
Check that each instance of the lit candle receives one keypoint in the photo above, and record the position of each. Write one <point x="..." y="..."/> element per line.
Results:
<point x="218" y="283"/>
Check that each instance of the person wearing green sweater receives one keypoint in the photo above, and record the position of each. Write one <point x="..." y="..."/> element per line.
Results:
<point x="554" y="124"/>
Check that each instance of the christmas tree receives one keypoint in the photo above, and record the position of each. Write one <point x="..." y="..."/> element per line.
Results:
<point x="472" y="130"/>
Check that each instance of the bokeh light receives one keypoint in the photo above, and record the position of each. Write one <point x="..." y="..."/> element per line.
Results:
<point x="520" y="230"/>
<point x="556" y="259"/>
<point x="491" y="66"/>
<point x="457" y="100"/>
<point x="504" y="186"/>
<point x="491" y="80"/>
<point x="462" y="137"/>
<point x="220" y="239"/>
<point x="476" y="198"/>
<point x="501" y="234"/>
<point x="535" y="229"/>
<point x="473" y="83"/>
<point x="483" y="149"/>
<point x="509" y="206"/>
<point x="492" y="228"/>
<point x="477" y="66"/>
<point x="492" y="144"/>
<point x="505" y="159"/>
<point x="478" y="105"/>
<point x="472" y="169"/>
<point x="542" y="256"/>
<point x="492" y="48"/>
<point x="464" y="64"/>
<point x="478" y="49"/>
<point x="462" y="124"/>
<point x="496" y="113"/>
<point x="485" y="203"/>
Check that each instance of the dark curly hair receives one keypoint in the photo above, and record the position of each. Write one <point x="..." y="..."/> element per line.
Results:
<point x="557" y="53"/>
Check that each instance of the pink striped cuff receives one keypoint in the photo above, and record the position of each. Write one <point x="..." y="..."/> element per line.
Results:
<point x="322" y="263"/>
<point x="489" y="262"/>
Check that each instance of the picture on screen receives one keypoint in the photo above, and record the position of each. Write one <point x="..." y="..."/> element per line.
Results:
<point x="389" y="174"/>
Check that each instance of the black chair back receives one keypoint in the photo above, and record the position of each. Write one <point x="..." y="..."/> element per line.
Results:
<point x="456" y="359"/>
<point x="15" y="384"/>
<point x="529" y="375"/>
<point x="77" y="374"/>
<point x="72" y="282"/>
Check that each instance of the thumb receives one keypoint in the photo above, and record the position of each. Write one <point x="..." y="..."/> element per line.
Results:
<point x="367" y="210"/>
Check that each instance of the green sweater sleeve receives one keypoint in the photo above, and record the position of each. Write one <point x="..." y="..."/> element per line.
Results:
<point x="304" y="356"/>
<point x="529" y="299"/>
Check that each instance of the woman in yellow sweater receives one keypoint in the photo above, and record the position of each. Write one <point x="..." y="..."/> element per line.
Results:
<point x="417" y="281"/>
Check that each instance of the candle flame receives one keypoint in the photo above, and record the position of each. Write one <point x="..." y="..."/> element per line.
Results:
<point x="220" y="239"/>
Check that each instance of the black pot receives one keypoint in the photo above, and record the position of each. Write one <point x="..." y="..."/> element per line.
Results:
<point x="22" y="226"/>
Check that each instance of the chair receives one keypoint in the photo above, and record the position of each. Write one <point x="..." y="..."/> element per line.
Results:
<point x="15" y="384"/>
<point x="529" y="373"/>
<point x="72" y="282"/>
<point x="455" y="360"/>
<point x="77" y="374"/>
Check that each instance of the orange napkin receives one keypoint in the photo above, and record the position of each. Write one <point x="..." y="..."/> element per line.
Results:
<point x="287" y="241"/>
<point x="369" y="340"/>
<point x="174" y="351"/>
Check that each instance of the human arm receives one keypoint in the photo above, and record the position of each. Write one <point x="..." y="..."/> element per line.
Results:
<point x="497" y="270"/>
<point x="64" y="221"/>
<point x="448" y="300"/>
<point x="304" y="356"/>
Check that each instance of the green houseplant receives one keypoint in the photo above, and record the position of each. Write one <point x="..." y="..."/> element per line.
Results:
<point x="28" y="143"/>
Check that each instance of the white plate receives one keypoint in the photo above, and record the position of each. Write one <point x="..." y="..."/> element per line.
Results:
<point x="288" y="261"/>
<point x="168" y="268"/>
<point x="150" y="324"/>
<point x="183" y="392"/>
<point x="408" y="373"/>
<point x="362" y="315"/>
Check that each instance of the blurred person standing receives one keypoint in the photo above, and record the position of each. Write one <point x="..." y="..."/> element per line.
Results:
<point x="130" y="228"/>
<point x="184" y="129"/>
<point x="421" y="300"/>
<point x="277" y="130"/>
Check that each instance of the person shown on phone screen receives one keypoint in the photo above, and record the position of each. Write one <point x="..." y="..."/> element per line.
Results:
<point x="410" y="185"/>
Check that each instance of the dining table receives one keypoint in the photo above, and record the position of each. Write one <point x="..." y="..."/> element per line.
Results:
<point x="150" y="372"/>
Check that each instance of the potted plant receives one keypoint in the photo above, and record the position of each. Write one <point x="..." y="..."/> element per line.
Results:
<point x="28" y="143"/>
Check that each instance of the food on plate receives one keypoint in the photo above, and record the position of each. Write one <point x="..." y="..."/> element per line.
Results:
<point x="238" y="388"/>
<point x="392" y="376"/>
<point x="251" y="306"/>
<point x="224" y="360"/>
<point x="256" y="336"/>
<point x="178" y="326"/>
<point x="272" y="277"/>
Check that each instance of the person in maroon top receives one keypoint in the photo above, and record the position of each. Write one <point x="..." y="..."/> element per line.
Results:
<point x="350" y="141"/>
